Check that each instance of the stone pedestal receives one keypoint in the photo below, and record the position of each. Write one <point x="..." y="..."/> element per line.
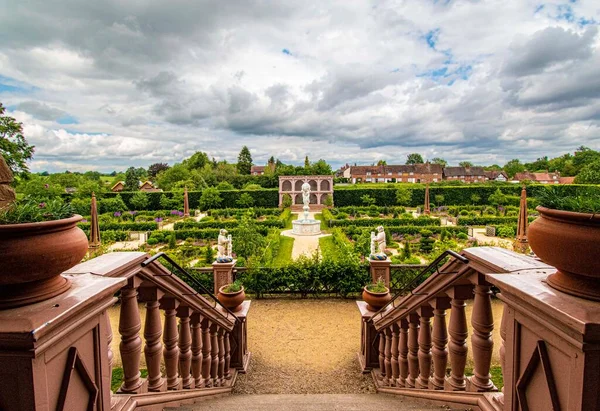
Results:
<point x="368" y="357"/>
<point x="380" y="268"/>
<point x="222" y="274"/>
<point x="306" y="227"/>
<point x="240" y="356"/>
<point x="552" y="345"/>
<point x="54" y="354"/>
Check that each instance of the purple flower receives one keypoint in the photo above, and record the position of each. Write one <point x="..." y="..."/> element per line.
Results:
<point x="133" y="212"/>
<point x="158" y="219"/>
<point x="174" y="212"/>
<point x="117" y="214"/>
<point x="180" y="213"/>
<point x="500" y="208"/>
<point x="84" y="221"/>
<point x="42" y="205"/>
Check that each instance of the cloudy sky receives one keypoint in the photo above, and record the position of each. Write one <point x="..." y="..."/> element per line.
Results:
<point x="109" y="83"/>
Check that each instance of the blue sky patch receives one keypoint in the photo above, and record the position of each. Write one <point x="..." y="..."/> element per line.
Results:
<point x="89" y="133"/>
<point x="10" y="85"/>
<point x="68" y="119"/>
<point x="286" y="51"/>
<point x="432" y="38"/>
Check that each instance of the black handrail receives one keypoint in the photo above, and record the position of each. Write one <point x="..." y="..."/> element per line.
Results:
<point x="434" y="264"/>
<point x="190" y="278"/>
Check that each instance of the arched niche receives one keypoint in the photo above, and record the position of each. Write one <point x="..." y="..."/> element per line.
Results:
<point x="298" y="199"/>
<point x="286" y="186"/>
<point x="324" y="185"/>
<point x="313" y="185"/>
<point x="298" y="185"/>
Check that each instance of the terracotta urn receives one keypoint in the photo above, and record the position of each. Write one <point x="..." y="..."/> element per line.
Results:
<point x="233" y="300"/>
<point x="33" y="255"/>
<point x="376" y="301"/>
<point x="570" y="242"/>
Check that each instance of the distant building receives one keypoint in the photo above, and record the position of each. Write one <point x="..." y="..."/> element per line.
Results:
<point x="465" y="174"/>
<point x="494" y="175"/>
<point x="344" y="171"/>
<point x="257" y="170"/>
<point x="566" y="180"/>
<point x="408" y="173"/>
<point x="145" y="186"/>
<point x="542" y="178"/>
<point x="117" y="188"/>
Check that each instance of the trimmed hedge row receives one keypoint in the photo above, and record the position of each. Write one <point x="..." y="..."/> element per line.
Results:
<point x="197" y="234"/>
<point x="184" y="225"/>
<point x="231" y="212"/>
<point x="111" y="235"/>
<point x="464" y="221"/>
<point x="405" y="230"/>
<point x="149" y="226"/>
<point x="364" y="222"/>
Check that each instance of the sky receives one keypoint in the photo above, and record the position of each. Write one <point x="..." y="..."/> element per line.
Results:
<point x="107" y="84"/>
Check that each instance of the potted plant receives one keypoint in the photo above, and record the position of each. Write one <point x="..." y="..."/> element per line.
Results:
<point x="566" y="235"/>
<point x="232" y="296"/>
<point x="376" y="295"/>
<point x="38" y="241"/>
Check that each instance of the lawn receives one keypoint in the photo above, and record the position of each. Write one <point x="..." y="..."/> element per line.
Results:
<point x="284" y="255"/>
<point x="288" y="223"/>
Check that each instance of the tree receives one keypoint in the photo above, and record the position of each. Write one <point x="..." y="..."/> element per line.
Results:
<point x="167" y="179"/>
<point x="367" y="200"/>
<point x="132" y="183"/>
<point x="590" y="174"/>
<point x="406" y="252"/>
<point x="198" y="160"/>
<point x="306" y="163"/>
<point x="513" y="167"/>
<point x="584" y="156"/>
<point x="210" y="198"/>
<point x="382" y="163"/>
<point x="403" y="196"/>
<point x="156" y="168"/>
<point x="414" y="158"/>
<point x="440" y="161"/>
<point x="498" y="198"/>
<point x="224" y="185"/>
<point x="244" y="163"/>
<point x="248" y="240"/>
<point x="245" y="201"/>
<point x="541" y="164"/>
<point x="321" y="168"/>
<point x="139" y="201"/>
<point x="13" y="145"/>
<point x="286" y="201"/>
<point x="465" y="164"/>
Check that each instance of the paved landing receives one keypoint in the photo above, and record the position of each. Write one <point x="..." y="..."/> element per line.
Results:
<point x="310" y="402"/>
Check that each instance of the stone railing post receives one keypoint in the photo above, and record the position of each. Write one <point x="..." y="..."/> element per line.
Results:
<point x="170" y="339"/>
<point x="206" y="352"/>
<point x="458" y="338"/>
<point x="395" y="366"/>
<point x="240" y="357"/>
<point x="222" y="274"/>
<point x="440" y="340"/>
<point x="388" y="356"/>
<point x="380" y="269"/>
<point x="221" y="369"/>
<point x="152" y="333"/>
<point x="382" y="355"/>
<point x="196" y="350"/>
<point x="403" y="352"/>
<point x="185" y="347"/>
<point x="214" y="355"/>
<point x="482" y="320"/>
<point x="413" y="351"/>
<point x="111" y="355"/>
<point x="424" y="355"/>
<point x="369" y="354"/>
<point x="130" y="325"/>
<point x="227" y="370"/>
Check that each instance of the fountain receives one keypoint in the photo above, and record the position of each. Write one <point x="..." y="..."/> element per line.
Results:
<point x="306" y="226"/>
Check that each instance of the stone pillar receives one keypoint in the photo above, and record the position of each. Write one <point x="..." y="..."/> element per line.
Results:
<point x="238" y="340"/>
<point x="152" y="334"/>
<point x="368" y="356"/>
<point x="7" y="194"/>
<point x="46" y="361"/>
<point x="380" y="268"/>
<point x="222" y="274"/>
<point x="171" y="339"/>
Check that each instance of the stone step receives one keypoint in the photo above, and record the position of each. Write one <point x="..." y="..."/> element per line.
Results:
<point x="311" y="402"/>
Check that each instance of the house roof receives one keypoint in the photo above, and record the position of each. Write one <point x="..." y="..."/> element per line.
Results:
<point x="117" y="183"/>
<point x="493" y="174"/>
<point x="426" y="168"/>
<point x="566" y="180"/>
<point x="257" y="169"/>
<point x="464" y="171"/>
<point x="537" y="176"/>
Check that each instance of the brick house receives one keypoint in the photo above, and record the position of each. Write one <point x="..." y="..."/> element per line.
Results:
<point x="408" y="173"/>
<point x="465" y="174"/>
<point x="494" y="175"/>
<point x="542" y="178"/>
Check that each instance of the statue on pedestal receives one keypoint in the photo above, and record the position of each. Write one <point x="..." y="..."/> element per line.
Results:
<point x="378" y="244"/>
<point x="224" y="247"/>
<point x="306" y="199"/>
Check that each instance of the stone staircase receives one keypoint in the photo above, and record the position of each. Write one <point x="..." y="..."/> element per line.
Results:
<point x="311" y="402"/>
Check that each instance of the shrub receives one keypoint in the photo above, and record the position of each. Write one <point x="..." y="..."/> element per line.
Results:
<point x="111" y="205"/>
<point x="224" y="185"/>
<point x="403" y="196"/>
<point x="172" y="242"/>
<point x="462" y="236"/>
<point x="367" y="200"/>
<point x="505" y="231"/>
<point x="152" y="241"/>
<point x="286" y="201"/>
<point x="139" y="201"/>
<point x="209" y="254"/>
<point x="210" y="198"/>
<point x="245" y="200"/>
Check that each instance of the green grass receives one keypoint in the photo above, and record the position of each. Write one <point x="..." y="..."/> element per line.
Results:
<point x="117" y="377"/>
<point x="319" y="217"/>
<point x="284" y="255"/>
<point x="288" y="223"/>
<point x="495" y="372"/>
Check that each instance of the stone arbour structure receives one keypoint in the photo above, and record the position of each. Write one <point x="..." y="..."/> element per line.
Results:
<point x="7" y="194"/>
<point x="320" y="188"/>
<point x="549" y="347"/>
<point x="56" y="354"/>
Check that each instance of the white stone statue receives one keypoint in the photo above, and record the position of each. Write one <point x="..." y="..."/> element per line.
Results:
<point x="224" y="247"/>
<point x="378" y="244"/>
<point x="306" y="194"/>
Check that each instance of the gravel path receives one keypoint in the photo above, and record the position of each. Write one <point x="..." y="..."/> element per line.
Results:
<point x="304" y="346"/>
<point x="305" y="245"/>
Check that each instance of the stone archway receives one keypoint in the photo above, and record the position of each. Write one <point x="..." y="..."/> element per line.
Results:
<point x="320" y="186"/>
<point x="313" y="186"/>
<point x="324" y="198"/>
<point x="313" y="199"/>
<point x="325" y="185"/>
<point x="298" y="199"/>
<point x="298" y="185"/>
<point x="286" y="186"/>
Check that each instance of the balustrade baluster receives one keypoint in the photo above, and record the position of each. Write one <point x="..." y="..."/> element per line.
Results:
<point x="440" y="340"/>
<point x="395" y="367"/>
<point x="482" y="320"/>
<point x="214" y="363"/>
<point x="206" y="353"/>
<point x="227" y="370"/>
<point x="109" y="338"/>
<point x="185" y="345"/>
<point x="170" y="340"/>
<point x="196" y="350"/>
<point x="152" y="333"/>
<point x="503" y="326"/>
<point x="424" y="355"/>
<point x="403" y="352"/>
<point x="458" y="345"/>
<point x="130" y="325"/>
<point x="388" y="357"/>
<point x="221" y="369"/>
<point x="413" y="351"/>
<point x="382" y="355"/>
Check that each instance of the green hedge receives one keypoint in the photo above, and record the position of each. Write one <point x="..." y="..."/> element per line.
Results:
<point x="464" y="221"/>
<point x="149" y="226"/>
<point x="184" y="225"/>
<point x="109" y="236"/>
<point x="237" y="212"/>
<point x="373" y="222"/>
<point x="197" y="234"/>
<point x="405" y="230"/>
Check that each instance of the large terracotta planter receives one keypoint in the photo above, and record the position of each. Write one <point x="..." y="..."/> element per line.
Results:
<point x="32" y="257"/>
<point x="232" y="301"/>
<point x="375" y="301"/>
<point x="570" y="242"/>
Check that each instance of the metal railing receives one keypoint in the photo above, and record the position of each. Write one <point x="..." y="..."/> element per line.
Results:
<point x="190" y="279"/>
